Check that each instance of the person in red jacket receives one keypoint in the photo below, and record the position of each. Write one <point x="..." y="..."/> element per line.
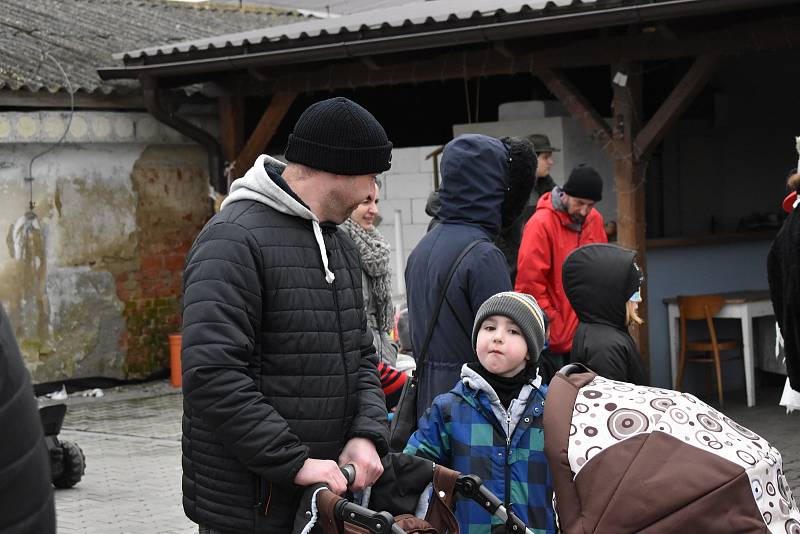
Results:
<point x="565" y="219"/>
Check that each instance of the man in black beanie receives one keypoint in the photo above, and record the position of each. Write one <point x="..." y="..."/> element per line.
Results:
<point x="565" y="219"/>
<point x="280" y="375"/>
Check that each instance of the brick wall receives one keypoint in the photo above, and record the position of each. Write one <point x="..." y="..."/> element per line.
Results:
<point x="172" y="207"/>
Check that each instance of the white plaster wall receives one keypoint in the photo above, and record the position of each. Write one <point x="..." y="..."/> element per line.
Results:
<point x="62" y="299"/>
<point x="406" y="187"/>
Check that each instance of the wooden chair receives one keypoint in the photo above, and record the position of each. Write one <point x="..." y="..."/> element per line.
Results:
<point x="703" y="308"/>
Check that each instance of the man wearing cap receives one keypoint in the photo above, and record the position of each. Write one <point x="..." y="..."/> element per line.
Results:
<point x="280" y="376"/>
<point x="511" y="236"/>
<point x="565" y="219"/>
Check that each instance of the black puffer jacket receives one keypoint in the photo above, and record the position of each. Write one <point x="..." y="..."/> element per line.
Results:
<point x="783" y="273"/>
<point x="26" y="490"/>
<point x="278" y="362"/>
<point x="599" y="280"/>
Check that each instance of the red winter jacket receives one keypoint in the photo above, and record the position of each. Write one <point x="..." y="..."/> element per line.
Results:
<point x="546" y="243"/>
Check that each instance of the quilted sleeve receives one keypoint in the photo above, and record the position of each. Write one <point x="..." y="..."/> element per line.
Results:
<point x="431" y="440"/>
<point x="371" y="420"/>
<point x="221" y="317"/>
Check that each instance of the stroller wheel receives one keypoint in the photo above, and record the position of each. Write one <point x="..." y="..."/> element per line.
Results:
<point x="74" y="465"/>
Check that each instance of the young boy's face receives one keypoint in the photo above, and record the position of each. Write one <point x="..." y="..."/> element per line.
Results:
<point x="501" y="347"/>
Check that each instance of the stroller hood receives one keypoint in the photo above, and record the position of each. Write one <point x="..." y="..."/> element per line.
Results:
<point x="598" y="280"/>
<point x="629" y="458"/>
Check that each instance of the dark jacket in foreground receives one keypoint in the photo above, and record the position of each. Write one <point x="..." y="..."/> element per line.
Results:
<point x="278" y="363"/>
<point x="783" y="273"/>
<point x="26" y="490"/>
<point x="598" y="281"/>
<point x="475" y="174"/>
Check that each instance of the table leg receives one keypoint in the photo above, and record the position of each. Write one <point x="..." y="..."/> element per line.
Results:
<point x="674" y="342"/>
<point x="749" y="361"/>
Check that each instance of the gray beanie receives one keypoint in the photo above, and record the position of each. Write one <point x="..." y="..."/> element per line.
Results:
<point x="523" y="310"/>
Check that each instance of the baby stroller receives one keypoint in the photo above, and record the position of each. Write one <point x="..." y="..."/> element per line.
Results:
<point x="629" y="458"/>
<point x="67" y="462"/>
<point x="400" y="496"/>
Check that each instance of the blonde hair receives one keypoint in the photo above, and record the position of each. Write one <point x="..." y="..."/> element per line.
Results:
<point x="793" y="183"/>
<point x="631" y="316"/>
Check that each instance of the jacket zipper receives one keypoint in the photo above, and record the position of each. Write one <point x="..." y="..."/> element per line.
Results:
<point x="508" y="460"/>
<point x="341" y="350"/>
<point x="506" y="465"/>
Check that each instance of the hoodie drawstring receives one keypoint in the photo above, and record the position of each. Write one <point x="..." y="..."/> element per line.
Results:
<point x="329" y="276"/>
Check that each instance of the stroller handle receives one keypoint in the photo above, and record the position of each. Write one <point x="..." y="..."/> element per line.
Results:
<point x="471" y="487"/>
<point x="349" y="472"/>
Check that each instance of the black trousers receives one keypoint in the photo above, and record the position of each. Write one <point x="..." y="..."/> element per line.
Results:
<point x="550" y="363"/>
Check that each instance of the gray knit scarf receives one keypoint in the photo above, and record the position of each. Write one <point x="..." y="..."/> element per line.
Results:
<point x="375" y="259"/>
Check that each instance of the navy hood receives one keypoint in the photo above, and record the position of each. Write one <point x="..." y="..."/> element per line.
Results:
<point x="599" y="279"/>
<point x="474" y="181"/>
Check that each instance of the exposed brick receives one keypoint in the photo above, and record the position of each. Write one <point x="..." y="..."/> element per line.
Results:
<point x="151" y="263"/>
<point x="174" y="262"/>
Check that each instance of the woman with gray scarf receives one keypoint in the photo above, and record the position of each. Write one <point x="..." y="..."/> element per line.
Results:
<point x="376" y="278"/>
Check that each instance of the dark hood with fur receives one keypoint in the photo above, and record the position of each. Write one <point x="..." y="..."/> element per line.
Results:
<point x="598" y="281"/>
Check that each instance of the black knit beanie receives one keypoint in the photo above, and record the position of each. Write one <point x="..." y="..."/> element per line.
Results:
<point x="523" y="310"/>
<point x="339" y="136"/>
<point x="584" y="182"/>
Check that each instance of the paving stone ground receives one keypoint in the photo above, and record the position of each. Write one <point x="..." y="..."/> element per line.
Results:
<point x="131" y="438"/>
<point x="132" y="485"/>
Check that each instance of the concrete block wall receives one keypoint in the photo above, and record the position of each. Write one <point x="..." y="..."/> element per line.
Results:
<point x="406" y="187"/>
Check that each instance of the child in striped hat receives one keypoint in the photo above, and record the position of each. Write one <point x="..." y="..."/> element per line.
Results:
<point x="490" y="423"/>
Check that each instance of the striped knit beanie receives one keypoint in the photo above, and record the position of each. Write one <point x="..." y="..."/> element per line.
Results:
<point x="523" y="310"/>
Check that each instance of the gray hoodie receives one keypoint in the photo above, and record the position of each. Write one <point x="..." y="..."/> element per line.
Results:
<point x="517" y="406"/>
<point x="257" y="185"/>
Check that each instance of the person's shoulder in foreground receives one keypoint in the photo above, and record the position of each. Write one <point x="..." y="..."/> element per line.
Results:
<point x="26" y="491"/>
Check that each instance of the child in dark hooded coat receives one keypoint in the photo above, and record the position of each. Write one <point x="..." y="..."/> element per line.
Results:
<point x="602" y="283"/>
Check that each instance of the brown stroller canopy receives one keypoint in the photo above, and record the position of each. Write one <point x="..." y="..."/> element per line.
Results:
<point x="629" y="458"/>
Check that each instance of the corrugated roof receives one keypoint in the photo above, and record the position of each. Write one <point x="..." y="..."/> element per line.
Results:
<point x="39" y="38"/>
<point x="412" y="14"/>
<point x="333" y="8"/>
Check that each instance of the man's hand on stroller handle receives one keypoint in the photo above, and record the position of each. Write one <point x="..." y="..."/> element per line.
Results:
<point x="321" y="471"/>
<point x="361" y="453"/>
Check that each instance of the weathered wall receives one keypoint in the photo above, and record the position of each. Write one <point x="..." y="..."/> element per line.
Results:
<point x="91" y="276"/>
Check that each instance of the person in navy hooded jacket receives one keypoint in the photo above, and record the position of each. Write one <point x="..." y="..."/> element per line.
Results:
<point x="485" y="184"/>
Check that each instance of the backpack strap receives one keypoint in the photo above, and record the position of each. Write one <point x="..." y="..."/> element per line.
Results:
<point x="432" y="324"/>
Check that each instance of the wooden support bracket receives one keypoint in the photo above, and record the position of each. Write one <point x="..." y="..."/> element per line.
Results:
<point x="262" y="135"/>
<point x="676" y="103"/>
<point x="577" y="105"/>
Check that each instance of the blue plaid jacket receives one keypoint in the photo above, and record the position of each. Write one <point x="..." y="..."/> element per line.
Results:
<point x="460" y="431"/>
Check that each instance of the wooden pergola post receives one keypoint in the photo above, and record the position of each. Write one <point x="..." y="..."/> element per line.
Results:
<point x="629" y="178"/>
<point x="629" y="143"/>
<point x="231" y="126"/>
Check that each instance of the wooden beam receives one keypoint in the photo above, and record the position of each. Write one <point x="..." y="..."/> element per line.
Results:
<point x="518" y="56"/>
<point x="262" y="135"/>
<point x="629" y="179"/>
<point x="577" y="105"/>
<point x="231" y="125"/>
<point x="677" y="102"/>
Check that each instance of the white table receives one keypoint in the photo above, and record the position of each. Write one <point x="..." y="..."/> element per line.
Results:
<point x="743" y="305"/>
